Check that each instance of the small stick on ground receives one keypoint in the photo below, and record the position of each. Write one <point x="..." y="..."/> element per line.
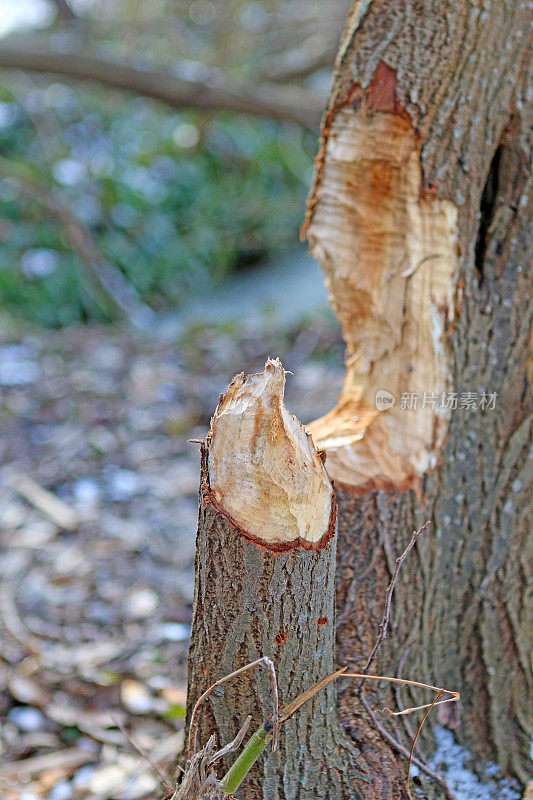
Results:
<point x="46" y="502"/>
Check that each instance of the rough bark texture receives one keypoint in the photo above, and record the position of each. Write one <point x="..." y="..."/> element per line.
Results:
<point x="251" y="601"/>
<point x="248" y="603"/>
<point x="462" y="611"/>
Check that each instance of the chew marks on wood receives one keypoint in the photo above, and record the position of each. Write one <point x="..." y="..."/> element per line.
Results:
<point x="264" y="471"/>
<point x="389" y="253"/>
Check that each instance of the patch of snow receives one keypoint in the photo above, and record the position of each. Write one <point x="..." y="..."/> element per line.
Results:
<point x="449" y="759"/>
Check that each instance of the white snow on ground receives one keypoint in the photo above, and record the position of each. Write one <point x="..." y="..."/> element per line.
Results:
<point x="449" y="759"/>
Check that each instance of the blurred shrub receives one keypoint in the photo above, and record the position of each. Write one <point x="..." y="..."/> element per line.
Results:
<point x="173" y="200"/>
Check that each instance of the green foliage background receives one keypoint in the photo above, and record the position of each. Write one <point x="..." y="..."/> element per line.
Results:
<point x="174" y="201"/>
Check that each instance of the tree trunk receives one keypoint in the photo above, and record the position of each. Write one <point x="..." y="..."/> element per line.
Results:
<point x="265" y="586"/>
<point x="421" y="217"/>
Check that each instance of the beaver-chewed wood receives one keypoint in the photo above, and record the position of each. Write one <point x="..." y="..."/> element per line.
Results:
<point x="265" y="586"/>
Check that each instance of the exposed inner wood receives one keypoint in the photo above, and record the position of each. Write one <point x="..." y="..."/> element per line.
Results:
<point x="265" y="472"/>
<point x="389" y="254"/>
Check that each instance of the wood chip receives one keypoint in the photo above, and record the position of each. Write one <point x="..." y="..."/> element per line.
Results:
<point x="61" y="759"/>
<point x="50" y="505"/>
<point x="27" y="690"/>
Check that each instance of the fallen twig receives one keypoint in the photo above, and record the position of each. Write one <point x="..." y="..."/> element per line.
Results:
<point x="46" y="502"/>
<point x="62" y="759"/>
<point x="12" y="620"/>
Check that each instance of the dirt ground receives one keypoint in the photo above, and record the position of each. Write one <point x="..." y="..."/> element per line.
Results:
<point x="98" y="507"/>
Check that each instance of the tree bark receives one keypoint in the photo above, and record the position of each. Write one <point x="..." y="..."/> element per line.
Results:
<point x="421" y="218"/>
<point x="262" y="591"/>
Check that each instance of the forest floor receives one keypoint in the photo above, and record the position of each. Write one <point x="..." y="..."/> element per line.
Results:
<point x="98" y="502"/>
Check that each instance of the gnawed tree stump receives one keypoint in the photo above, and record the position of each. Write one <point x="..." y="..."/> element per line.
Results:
<point x="265" y="586"/>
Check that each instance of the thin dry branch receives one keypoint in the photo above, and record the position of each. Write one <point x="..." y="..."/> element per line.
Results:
<point x="212" y="90"/>
<point x="236" y="742"/>
<point x="388" y="600"/>
<point x="290" y="710"/>
<point x="265" y="662"/>
<point x="454" y="696"/>
<point x="398" y="693"/>
<point x="434" y="703"/>
<point x="439" y="780"/>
